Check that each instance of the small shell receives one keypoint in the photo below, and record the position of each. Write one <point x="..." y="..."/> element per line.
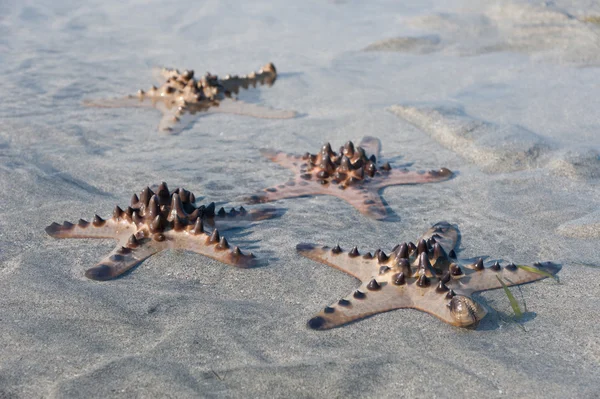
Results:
<point x="465" y="311"/>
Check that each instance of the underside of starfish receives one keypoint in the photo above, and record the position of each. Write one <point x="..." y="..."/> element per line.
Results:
<point x="426" y="276"/>
<point x="161" y="220"/>
<point x="182" y="98"/>
<point x="352" y="174"/>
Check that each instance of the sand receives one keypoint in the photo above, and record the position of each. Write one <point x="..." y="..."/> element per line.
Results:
<point x="181" y="325"/>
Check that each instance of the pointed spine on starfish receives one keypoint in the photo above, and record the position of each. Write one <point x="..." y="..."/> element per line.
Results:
<point x="145" y="196"/>
<point x="402" y="251"/>
<point x="478" y="265"/>
<point x="439" y="257"/>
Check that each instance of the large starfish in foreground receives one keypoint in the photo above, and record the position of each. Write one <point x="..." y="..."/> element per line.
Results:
<point x="425" y="276"/>
<point x="351" y="175"/>
<point x="158" y="221"/>
<point x="182" y="98"/>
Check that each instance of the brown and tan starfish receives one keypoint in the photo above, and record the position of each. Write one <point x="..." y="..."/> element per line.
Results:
<point x="182" y="98"/>
<point x="425" y="276"/>
<point x="161" y="220"/>
<point x="351" y="175"/>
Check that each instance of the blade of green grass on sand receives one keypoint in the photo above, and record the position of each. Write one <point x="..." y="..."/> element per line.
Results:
<point x="538" y="271"/>
<point x="513" y="302"/>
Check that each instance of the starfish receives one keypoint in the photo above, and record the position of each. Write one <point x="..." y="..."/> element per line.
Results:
<point x="351" y="175"/>
<point x="158" y="221"/>
<point x="426" y="276"/>
<point x="181" y="97"/>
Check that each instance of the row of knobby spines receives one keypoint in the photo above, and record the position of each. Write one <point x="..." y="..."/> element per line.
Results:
<point x="338" y="165"/>
<point x="399" y="279"/>
<point x="265" y="75"/>
<point x="188" y="74"/>
<point x="420" y="278"/>
<point x="174" y="215"/>
<point x="454" y="304"/>
<point x="186" y="79"/>
<point x="164" y="196"/>
<point x="245" y="82"/>
<point x="407" y="253"/>
<point x="428" y="257"/>
<point x="157" y="219"/>
<point x="214" y="238"/>
<point x="181" y="200"/>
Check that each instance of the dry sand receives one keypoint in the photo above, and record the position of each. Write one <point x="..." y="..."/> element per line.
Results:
<point x="519" y="125"/>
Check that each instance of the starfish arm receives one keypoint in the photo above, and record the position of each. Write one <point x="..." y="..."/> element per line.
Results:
<point x="487" y="279"/>
<point x="98" y="228"/>
<point x="366" y="200"/>
<point x="357" y="266"/>
<point x="291" y="189"/>
<point x="444" y="233"/>
<point x="371" y="145"/>
<point x="124" y="102"/>
<point x="396" y="177"/>
<point x="174" y="121"/>
<point x="267" y="75"/>
<point x="122" y="259"/>
<point x="212" y="245"/>
<point x="289" y="161"/>
<point x="238" y="107"/>
<point x="362" y="303"/>
<point x="387" y="294"/>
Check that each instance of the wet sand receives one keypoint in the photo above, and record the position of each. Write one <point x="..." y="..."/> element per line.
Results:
<point x="512" y="111"/>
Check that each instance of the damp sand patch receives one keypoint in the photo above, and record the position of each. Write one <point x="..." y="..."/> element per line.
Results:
<point x="576" y="163"/>
<point x="541" y="30"/>
<point x="586" y="227"/>
<point x="494" y="148"/>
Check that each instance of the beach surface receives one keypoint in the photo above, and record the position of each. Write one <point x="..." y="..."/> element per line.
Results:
<point x="503" y="94"/>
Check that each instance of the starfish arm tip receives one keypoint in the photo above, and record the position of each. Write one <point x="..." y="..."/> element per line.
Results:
<point x="242" y="261"/>
<point x="317" y="323"/>
<point x="100" y="272"/>
<point x="53" y="230"/>
<point x="549" y="267"/>
<point x="376" y="213"/>
<point x="442" y="173"/>
<point x="304" y="246"/>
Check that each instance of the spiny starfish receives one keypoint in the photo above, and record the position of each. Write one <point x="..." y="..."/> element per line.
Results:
<point x="425" y="276"/>
<point x="351" y="175"/>
<point x="182" y="97"/>
<point x="158" y="221"/>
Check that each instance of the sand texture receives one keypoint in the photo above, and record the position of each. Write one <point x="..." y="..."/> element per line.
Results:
<point x="547" y="31"/>
<point x="504" y="95"/>
<point x="495" y="148"/>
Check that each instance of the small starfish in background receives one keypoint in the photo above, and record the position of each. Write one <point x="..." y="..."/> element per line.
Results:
<point x="351" y="175"/>
<point x="182" y="97"/>
<point x="158" y="221"/>
<point x="425" y="276"/>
